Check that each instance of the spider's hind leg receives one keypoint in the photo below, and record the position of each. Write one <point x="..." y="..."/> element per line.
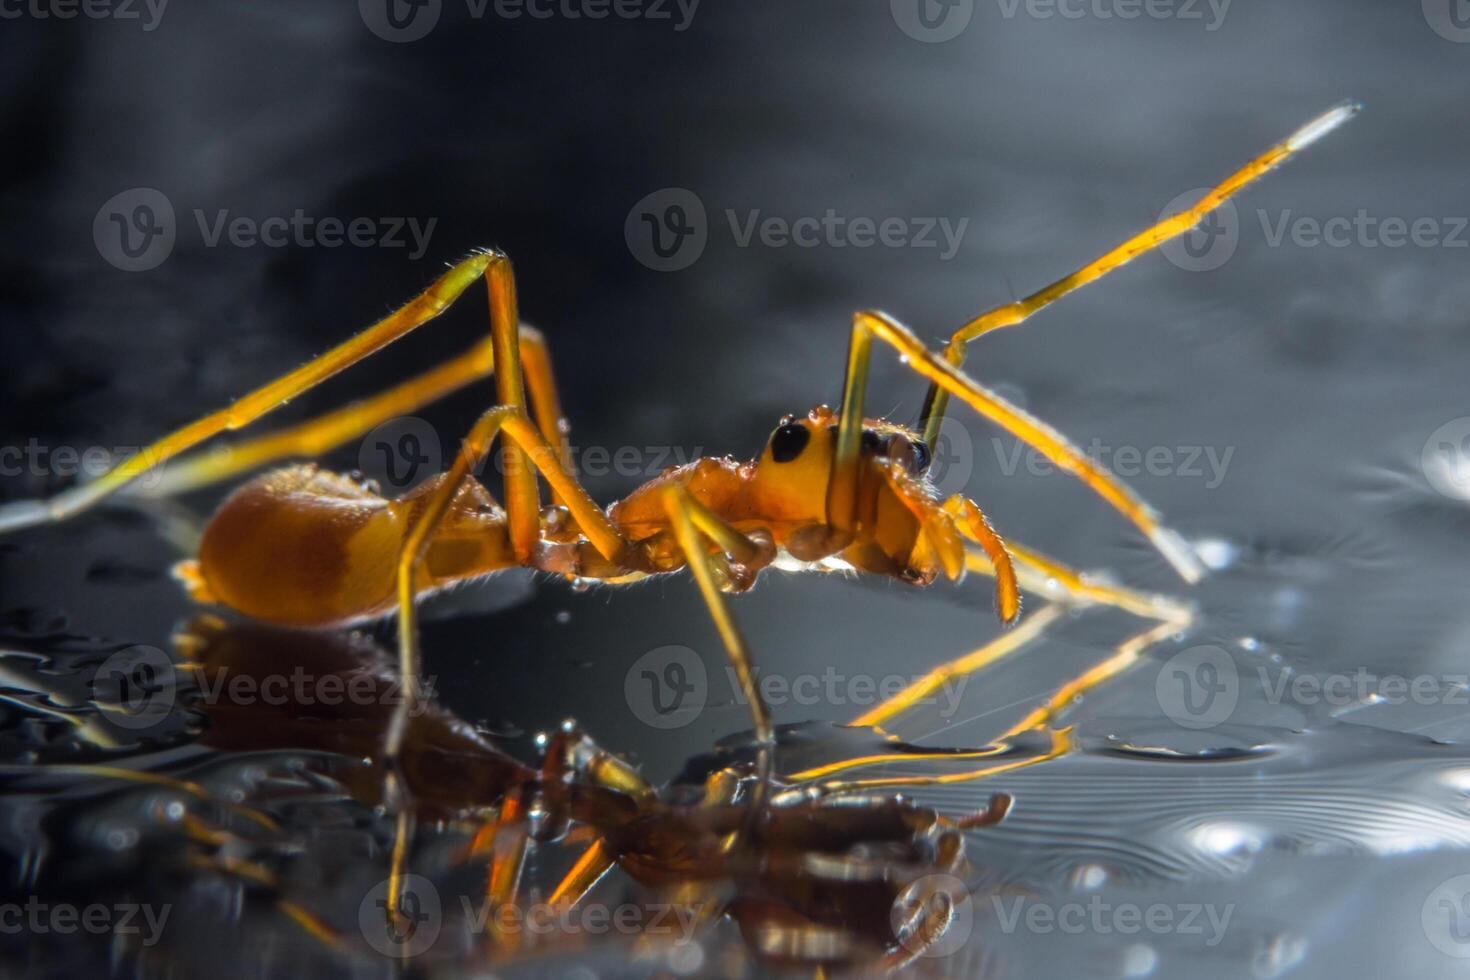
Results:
<point x="415" y="313"/>
<point x="317" y="436"/>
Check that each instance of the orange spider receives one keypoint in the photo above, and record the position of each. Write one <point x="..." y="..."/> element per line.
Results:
<point x="301" y="546"/>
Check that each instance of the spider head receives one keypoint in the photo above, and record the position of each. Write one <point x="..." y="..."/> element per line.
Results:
<point x="792" y="474"/>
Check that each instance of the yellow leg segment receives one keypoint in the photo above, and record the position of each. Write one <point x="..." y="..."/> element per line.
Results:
<point x="320" y="435"/>
<point x="1003" y="645"/>
<point x="1045" y="576"/>
<point x="1150" y="238"/>
<point x="418" y="311"/>
<point x="595" y="862"/>
<point x="1030" y="430"/>
<point x="689" y="520"/>
<point x="975" y="526"/>
<point x="1126" y="656"/>
<point x="519" y="430"/>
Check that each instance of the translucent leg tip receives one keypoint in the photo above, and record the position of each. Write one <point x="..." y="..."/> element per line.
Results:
<point x="20" y="514"/>
<point x="1179" y="553"/>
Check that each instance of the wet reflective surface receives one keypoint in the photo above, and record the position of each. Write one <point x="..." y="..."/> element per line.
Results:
<point x="1278" y="791"/>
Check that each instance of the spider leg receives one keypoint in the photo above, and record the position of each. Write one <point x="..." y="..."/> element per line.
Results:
<point x="319" y="435"/>
<point x="398" y="862"/>
<point x="1063" y="587"/>
<point x="819" y="787"/>
<point x="418" y="311"/>
<point x="502" y="883"/>
<point x="842" y="484"/>
<point x="1047" y="577"/>
<point x="1020" y="423"/>
<point x="1125" y="656"/>
<point x="1169" y="619"/>
<point x="1004" y="644"/>
<point x="1150" y="238"/>
<point x="594" y="862"/>
<point x="692" y="522"/>
<point x="522" y="516"/>
<point x="974" y="525"/>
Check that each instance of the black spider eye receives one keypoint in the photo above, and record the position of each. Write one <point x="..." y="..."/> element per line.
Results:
<point x="788" y="441"/>
<point x="899" y="450"/>
<point x="872" y="445"/>
<point x="921" y="456"/>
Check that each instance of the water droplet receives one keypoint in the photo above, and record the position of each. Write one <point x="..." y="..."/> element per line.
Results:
<point x="1088" y="877"/>
<point x="1216" y="553"/>
<point x="1226" y="838"/>
<point x="1139" y="960"/>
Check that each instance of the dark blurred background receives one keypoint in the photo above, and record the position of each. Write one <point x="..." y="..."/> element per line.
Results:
<point x="1297" y="375"/>
<point x="1045" y="133"/>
